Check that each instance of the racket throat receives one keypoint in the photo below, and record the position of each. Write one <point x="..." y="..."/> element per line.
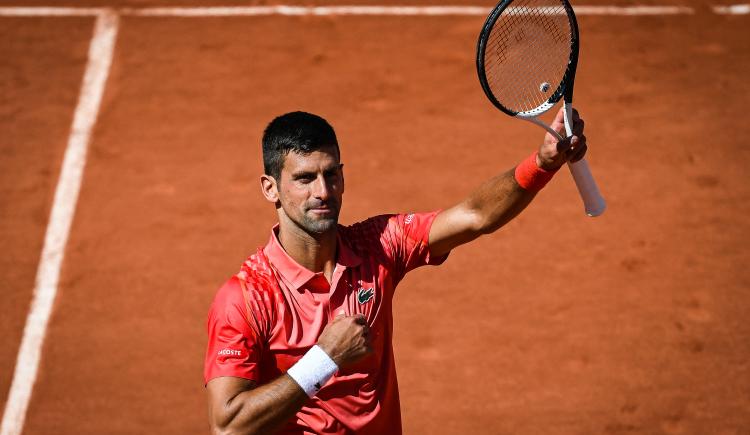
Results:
<point x="540" y="123"/>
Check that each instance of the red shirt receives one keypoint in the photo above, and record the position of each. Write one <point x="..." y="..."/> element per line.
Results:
<point x="268" y="315"/>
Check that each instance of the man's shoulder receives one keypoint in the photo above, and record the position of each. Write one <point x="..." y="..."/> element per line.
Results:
<point x="370" y="228"/>
<point x="371" y="237"/>
<point x="256" y="269"/>
<point x="255" y="280"/>
<point x="229" y="292"/>
<point x="252" y="294"/>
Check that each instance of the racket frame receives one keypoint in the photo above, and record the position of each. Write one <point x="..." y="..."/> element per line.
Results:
<point x="593" y="201"/>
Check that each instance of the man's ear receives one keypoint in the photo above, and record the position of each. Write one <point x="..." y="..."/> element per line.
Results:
<point x="269" y="188"/>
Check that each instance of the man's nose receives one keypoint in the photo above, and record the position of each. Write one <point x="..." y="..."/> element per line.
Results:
<point x="321" y="189"/>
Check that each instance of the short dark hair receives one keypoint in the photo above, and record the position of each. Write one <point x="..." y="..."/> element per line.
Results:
<point x="300" y="132"/>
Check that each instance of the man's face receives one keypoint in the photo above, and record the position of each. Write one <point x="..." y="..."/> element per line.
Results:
<point x="310" y="189"/>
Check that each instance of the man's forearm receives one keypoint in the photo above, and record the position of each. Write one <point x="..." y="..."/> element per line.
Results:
<point x="498" y="200"/>
<point x="502" y="198"/>
<point x="489" y="207"/>
<point x="260" y="410"/>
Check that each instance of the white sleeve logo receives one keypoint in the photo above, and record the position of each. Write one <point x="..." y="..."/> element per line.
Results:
<point x="409" y="218"/>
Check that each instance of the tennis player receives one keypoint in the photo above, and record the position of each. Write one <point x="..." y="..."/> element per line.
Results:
<point x="299" y="341"/>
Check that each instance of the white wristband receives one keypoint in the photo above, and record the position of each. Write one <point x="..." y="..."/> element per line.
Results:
<point x="313" y="370"/>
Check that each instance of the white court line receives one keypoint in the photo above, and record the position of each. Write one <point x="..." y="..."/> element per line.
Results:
<point x="61" y="217"/>
<point x="732" y="9"/>
<point x="382" y="10"/>
<point x="287" y="10"/>
<point x="306" y="10"/>
<point x="633" y="10"/>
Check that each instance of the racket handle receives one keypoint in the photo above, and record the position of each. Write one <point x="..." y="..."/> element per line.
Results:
<point x="592" y="199"/>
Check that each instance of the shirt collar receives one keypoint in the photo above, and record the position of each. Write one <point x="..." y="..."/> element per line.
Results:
<point x="296" y="274"/>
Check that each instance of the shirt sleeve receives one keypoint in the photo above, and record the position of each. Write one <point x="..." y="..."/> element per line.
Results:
<point x="406" y="240"/>
<point x="233" y="346"/>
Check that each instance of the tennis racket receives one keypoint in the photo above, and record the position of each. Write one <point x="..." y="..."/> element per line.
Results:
<point x="526" y="59"/>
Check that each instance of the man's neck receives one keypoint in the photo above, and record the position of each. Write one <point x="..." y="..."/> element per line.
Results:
<point x="315" y="253"/>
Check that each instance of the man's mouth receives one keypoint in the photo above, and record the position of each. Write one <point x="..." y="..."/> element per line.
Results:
<point x="322" y="210"/>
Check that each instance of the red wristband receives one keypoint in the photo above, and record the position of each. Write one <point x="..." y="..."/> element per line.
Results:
<point x="530" y="176"/>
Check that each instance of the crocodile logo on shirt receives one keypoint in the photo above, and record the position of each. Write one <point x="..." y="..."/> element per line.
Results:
<point x="363" y="296"/>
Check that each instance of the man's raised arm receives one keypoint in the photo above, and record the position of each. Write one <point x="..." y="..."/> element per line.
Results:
<point x="503" y="197"/>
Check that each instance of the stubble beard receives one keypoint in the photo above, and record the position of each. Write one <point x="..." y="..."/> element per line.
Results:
<point x="319" y="226"/>
<point x="316" y="226"/>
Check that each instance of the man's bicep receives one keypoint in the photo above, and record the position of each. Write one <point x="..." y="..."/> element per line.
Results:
<point x="453" y="227"/>
<point x="221" y="392"/>
<point x="223" y="389"/>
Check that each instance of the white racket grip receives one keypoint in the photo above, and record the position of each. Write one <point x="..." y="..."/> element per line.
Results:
<point x="592" y="199"/>
<point x="589" y="191"/>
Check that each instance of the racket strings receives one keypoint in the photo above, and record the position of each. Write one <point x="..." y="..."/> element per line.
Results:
<point x="527" y="52"/>
<point x="517" y="81"/>
<point x="524" y="16"/>
<point x="523" y="88"/>
<point x="530" y="66"/>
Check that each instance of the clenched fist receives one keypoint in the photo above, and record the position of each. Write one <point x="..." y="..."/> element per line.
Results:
<point x="554" y="153"/>
<point x="346" y="340"/>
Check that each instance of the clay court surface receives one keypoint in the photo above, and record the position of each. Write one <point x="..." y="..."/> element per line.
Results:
<point x="634" y="322"/>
